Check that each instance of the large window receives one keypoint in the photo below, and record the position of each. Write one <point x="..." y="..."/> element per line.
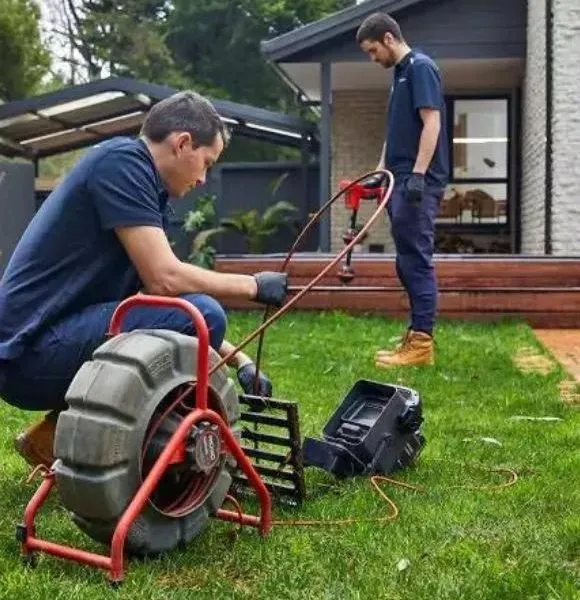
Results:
<point x="480" y="149"/>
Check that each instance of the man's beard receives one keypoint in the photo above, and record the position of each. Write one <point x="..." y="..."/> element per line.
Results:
<point x="389" y="62"/>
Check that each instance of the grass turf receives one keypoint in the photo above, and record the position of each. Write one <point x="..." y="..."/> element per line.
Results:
<point x="447" y="542"/>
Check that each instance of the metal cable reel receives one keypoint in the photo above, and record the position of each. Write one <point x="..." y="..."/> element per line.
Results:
<point x="125" y="404"/>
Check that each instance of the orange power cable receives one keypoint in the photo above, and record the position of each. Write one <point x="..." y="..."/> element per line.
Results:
<point x="394" y="511"/>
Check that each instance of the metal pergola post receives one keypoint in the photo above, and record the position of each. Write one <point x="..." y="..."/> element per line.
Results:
<point x="325" y="154"/>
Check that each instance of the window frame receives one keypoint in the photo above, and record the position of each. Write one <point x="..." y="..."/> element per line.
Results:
<point x="473" y="227"/>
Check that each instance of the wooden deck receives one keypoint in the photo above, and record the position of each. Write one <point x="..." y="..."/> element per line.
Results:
<point x="564" y="344"/>
<point x="544" y="291"/>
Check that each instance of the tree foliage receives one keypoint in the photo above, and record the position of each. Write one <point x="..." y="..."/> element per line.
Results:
<point x="216" y="44"/>
<point x="105" y="37"/>
<point x="23" y="58"/>
<point x="210" y="45"/>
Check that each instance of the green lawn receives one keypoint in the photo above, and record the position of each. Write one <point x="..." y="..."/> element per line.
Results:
<point x="518" y="542"/>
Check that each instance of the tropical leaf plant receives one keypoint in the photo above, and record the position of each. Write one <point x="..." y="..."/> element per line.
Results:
<point x="202" y="221"/>
<point x="256" y="228"/>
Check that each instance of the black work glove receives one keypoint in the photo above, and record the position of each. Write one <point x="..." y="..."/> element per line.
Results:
<point x="414" y="187"/>
<point x="272" y="287"/>
<point x="246" y="376"/>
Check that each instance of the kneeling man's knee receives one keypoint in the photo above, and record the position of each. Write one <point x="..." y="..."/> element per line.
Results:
<point x="214" y="316"/>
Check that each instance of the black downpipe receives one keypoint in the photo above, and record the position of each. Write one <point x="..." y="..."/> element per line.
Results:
<point x="549" y="133"/>
<point x="517" y="184"/>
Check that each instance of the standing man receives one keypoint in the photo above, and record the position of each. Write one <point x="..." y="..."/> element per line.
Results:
<point x="416" y="152"/>
<point x="99" y="238"/>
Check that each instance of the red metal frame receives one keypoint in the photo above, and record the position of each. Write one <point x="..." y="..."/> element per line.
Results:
<point x="114" y="563"/>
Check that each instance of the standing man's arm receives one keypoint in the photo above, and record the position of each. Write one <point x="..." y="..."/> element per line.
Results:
<point x="381" y="163"/>
<point x="427" y="94"/>
<point x="428" y="141"/>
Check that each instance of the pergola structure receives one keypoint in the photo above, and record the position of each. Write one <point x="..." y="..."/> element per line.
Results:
<point x="86" y="114"/>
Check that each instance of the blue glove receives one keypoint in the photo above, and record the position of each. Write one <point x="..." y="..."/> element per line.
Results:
<point x="414" y="187"/>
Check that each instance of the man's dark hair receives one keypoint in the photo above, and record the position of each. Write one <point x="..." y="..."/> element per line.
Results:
<point x="185" y="111"/>
<point x="375" y="26"/>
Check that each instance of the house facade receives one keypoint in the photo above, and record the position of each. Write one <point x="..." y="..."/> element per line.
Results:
<point x="511" y="74"/>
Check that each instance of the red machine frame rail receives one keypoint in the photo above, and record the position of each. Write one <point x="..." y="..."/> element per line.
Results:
<point x="115" y="562"/>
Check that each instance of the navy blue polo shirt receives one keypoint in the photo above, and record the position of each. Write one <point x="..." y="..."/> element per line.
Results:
<point x="416" y="84"/>
<point x="69" y="257"/>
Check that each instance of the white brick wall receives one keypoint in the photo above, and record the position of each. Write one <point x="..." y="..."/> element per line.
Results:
<point x="566" y="128"/>
<point x="534" y="132"/>
<point x="358" y="125"/>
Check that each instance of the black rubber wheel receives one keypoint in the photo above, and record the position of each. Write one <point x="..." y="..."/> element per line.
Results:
<point x="104" y="442"/>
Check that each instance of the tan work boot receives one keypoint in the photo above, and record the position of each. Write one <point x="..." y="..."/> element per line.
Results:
<point x="402" y="343"/>
<point x="36" y="444"/>
<point x="417" y="350"/>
